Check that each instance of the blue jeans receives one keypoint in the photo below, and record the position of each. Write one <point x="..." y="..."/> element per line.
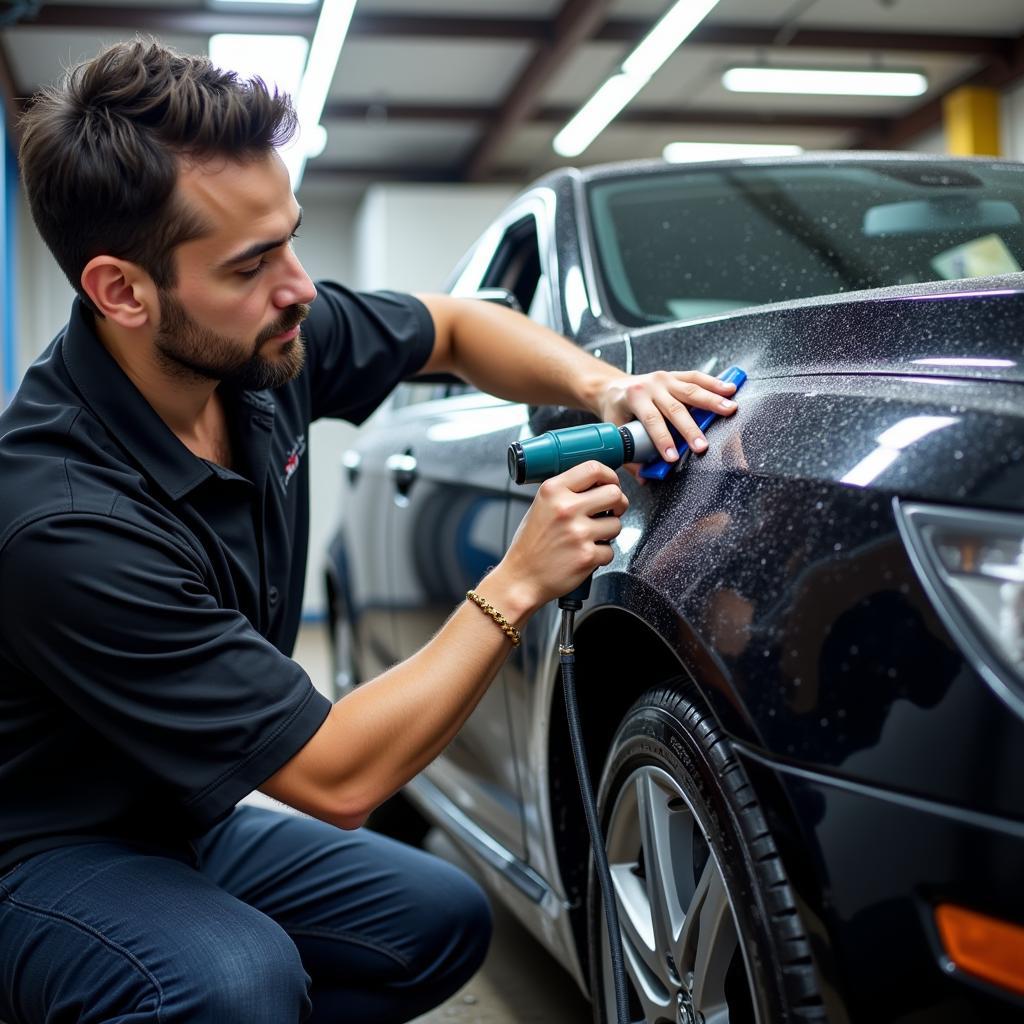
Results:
<point x="285" y="919"/>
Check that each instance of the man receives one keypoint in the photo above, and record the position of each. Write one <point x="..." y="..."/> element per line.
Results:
<point x="153" y="537"/>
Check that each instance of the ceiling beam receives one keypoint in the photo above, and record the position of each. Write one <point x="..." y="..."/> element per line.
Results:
<point x="381" y="113"/>
<point x="177" y="20"/>
<point x="574" y="24"/>
<point x="413" y="26"/>
<point x="186" y="21"/>
<point x="405" y="173"/>
<point x="1000" y="73"/>
<point x="632" y="31"/>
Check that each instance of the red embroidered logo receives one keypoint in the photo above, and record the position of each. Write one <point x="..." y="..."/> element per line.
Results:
<point x="294" y="457"/>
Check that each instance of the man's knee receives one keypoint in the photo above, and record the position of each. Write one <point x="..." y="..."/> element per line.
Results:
<point x="253" y="977"/>
<point x="456" y="941"/>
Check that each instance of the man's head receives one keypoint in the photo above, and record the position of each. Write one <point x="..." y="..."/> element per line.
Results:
<point x="153" y="179"/>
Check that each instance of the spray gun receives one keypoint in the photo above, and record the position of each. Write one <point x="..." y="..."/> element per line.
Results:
<point x="537" y="459"/>
<point x="551" y="453"/>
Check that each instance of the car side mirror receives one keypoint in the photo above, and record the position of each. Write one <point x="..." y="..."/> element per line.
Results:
<point x="500" y="296"/>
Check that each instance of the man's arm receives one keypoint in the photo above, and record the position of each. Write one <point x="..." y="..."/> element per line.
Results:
<point x="378" y="737"/>
<point x="507" y="354"/>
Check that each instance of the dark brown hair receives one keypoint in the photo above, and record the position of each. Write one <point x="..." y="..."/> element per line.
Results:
<point x="100" y="153"/>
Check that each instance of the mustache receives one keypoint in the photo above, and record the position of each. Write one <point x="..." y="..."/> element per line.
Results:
<point x="292" y="317"/>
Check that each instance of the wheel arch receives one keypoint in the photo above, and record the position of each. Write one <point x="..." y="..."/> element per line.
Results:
<point x="607" y="642"/>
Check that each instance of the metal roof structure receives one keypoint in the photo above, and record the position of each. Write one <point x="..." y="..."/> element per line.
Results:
<point x="459" y="91"/>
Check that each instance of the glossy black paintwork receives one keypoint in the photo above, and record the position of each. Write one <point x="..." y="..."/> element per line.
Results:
<point x="902" y="331"/>
<point x="880" y="862"/>
<point x="889" y="767"/>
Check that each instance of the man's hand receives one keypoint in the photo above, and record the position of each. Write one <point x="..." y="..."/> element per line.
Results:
<point x="653" y="398"/>
<point x="556" y="546"/>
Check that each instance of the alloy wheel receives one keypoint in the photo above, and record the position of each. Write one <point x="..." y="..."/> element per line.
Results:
<point x="683" y="958"/>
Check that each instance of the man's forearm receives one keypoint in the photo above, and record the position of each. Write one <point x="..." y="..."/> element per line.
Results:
<point x="379" y="736"/>
<point x="508" y="355"/>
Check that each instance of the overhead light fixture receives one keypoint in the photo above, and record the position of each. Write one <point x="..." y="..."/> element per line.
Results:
<point x="328" y="39"/>
<point x="825" y="81"/>
<point x="634" y="73"/>
<point x="278" y="60"/>
<point x="690" y="152"/>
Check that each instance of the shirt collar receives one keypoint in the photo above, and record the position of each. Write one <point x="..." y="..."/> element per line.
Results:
<point x="124" y="411"/>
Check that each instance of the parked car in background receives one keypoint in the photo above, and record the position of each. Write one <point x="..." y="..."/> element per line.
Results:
<point x="802" y="677"/>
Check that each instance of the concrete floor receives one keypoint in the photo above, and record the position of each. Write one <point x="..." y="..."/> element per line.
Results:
<point x="519" y="982"/>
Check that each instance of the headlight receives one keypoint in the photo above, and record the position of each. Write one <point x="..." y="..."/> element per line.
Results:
<point x="972" y="564"/>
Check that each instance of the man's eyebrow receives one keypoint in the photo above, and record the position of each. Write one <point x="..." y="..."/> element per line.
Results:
<point x="258" y="248"/>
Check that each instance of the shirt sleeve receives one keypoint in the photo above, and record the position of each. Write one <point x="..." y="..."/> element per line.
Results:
<point x="359" y="345"/>
<point x="118" y="623"/>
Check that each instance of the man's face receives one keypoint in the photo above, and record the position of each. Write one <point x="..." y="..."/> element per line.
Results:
<point x="185" y="348"/>
<point x="241" y="292"/>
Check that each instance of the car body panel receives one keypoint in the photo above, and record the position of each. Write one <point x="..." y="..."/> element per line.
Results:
<point x="771" y="572"/>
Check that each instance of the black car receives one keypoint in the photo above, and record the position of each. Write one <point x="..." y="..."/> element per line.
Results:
<point x="802" y="677"/>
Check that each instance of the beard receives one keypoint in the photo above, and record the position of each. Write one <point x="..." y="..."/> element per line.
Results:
<point x="187" y="350"/>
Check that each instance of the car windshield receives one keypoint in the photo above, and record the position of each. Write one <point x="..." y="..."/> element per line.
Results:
<point x="702" y="241"/>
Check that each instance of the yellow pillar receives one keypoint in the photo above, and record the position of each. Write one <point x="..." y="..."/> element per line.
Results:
<point x="971" y="118"/>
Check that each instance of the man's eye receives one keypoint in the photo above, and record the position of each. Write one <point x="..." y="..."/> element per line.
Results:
<point x="255" y="270"/>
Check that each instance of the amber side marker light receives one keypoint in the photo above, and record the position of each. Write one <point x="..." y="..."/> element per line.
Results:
<point x="982" y="946"/>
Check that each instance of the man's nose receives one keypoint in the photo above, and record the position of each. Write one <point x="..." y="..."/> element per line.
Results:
<point x="296" y="286"/>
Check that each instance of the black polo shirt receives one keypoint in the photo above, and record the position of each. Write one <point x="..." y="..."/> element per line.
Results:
<point x="149" y="599"/>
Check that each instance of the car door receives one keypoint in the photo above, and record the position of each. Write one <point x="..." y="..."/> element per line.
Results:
<point x="448" y="525"/>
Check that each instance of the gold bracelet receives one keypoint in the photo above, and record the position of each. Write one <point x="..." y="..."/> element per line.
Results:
<point x="506" y="627"/>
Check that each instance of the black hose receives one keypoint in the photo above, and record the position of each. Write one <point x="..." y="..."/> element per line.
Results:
<point x="604" y="877"/>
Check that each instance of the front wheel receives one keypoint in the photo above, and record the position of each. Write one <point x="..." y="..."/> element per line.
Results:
<point x="709" y="924"/>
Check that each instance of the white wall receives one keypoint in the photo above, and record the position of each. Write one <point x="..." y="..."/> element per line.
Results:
<point x="410" y="237"/>
<point x="44" y="295"/>
<point x="930" y="142"/>
<point x="1012" y="126"/>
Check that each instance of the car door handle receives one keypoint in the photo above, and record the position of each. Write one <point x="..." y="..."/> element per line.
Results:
<point x="351" y="461"/>
<point x="402" y="467"/>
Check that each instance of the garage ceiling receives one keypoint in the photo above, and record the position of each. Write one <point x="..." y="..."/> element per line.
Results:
<point x="455" y="90"/>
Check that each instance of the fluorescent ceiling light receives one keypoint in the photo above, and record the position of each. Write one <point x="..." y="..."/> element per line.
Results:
<point x="278" y="60"/>
<point x="328" y="39"/>
<point x="635" y="72"/>
<point x="822" y="81"/>
<point x="687" y="152"/>
<point x="596" y="114"/>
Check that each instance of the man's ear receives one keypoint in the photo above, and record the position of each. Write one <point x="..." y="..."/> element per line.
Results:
<point x="123" y="292"/>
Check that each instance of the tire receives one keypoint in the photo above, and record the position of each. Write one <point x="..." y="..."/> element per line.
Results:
<point x="398" y="818"/>
<point x="734" y="950"/>
<point x="345" y="674"/>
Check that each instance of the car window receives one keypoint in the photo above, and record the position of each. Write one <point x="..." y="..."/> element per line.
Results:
<point x="517" y="268"/>
<point x="698" y="242"/>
